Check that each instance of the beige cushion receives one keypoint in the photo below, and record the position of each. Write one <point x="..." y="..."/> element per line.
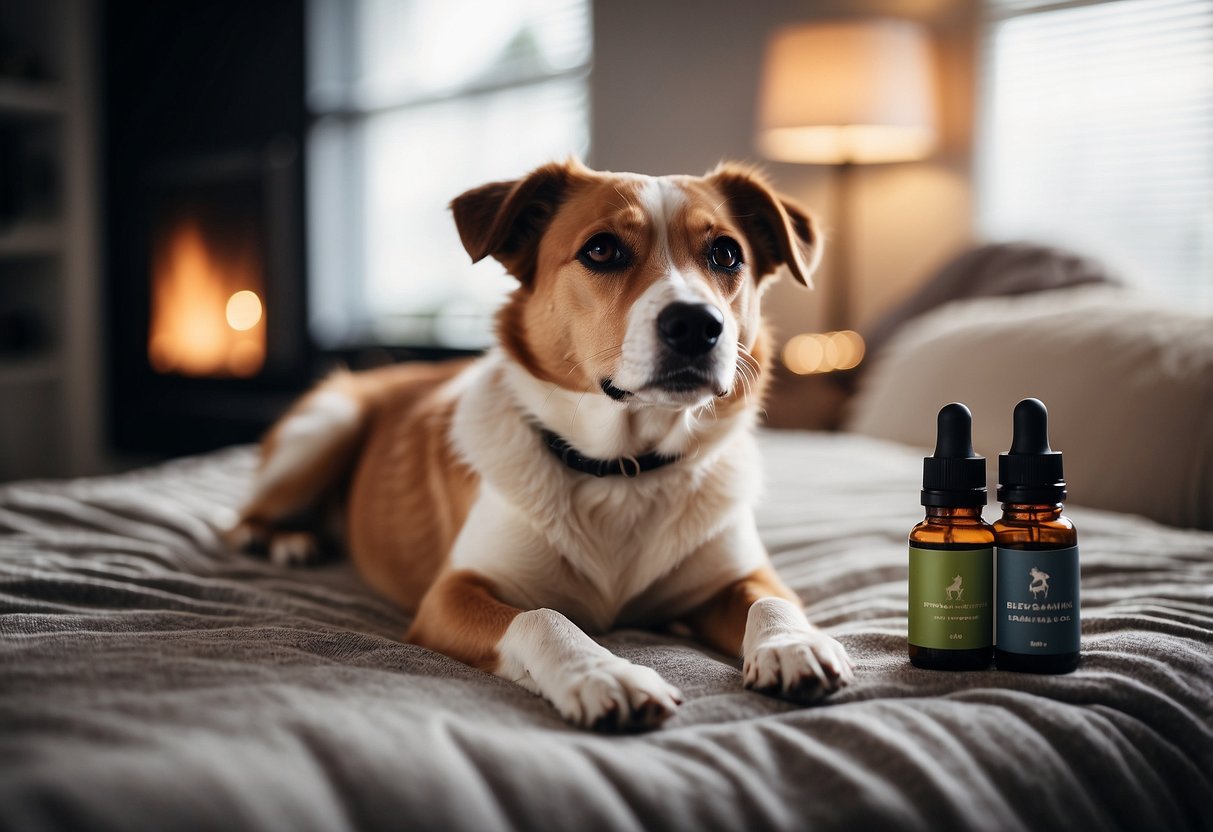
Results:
<point x="1128" y="383"/>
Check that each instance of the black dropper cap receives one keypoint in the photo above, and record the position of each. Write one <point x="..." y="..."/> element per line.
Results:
<point x="1031" y="471"/>
<point x="954" y="476"/>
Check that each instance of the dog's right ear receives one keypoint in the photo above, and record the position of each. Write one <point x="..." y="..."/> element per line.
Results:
<point x="507" y="219"/>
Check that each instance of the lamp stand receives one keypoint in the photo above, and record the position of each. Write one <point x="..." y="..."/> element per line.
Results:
<point x="838" y="299"/>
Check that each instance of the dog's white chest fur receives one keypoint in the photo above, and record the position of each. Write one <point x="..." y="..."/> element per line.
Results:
<point x="604" y="551"/>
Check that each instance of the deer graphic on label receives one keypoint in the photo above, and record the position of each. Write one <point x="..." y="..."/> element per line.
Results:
<point x="956" y="586"/>
<point x="1040" y="582"/>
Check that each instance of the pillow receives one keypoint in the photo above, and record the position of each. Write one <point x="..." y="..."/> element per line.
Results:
<point x="1127" y="380"/>
<point x="988" y="270"/>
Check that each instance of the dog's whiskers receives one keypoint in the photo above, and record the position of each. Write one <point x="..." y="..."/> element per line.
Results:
<point x="745" y="367"/>
<point x="573" y="421"/>
<point x="749" y="358"/>
<point x="753" y="367"/>
<point x="740" y="384"/>
<point x="617" y="348"/>
<point x="745" y="388"/>
<point x="749" y="376"/>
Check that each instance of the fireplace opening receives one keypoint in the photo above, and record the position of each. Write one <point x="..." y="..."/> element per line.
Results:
<point x="208" y="312"/>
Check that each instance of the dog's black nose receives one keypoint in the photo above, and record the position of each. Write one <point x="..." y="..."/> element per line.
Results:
<point x="690" y="328"/>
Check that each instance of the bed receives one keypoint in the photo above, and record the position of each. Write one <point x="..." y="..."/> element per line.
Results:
<point x="150" y="678"/>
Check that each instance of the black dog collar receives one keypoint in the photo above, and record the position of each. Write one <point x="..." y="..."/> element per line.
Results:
<point x="627" y="466"/>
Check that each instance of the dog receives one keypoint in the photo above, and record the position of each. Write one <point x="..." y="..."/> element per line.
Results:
<point x="594" y="469"/>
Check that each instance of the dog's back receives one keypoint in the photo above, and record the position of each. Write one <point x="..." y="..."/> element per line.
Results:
<point x="340" y="453"/>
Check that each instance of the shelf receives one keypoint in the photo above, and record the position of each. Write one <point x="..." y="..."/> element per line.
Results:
<point x="31" y="240"/>
<point x="31" y="98"/>
<point x="29" y="370"/>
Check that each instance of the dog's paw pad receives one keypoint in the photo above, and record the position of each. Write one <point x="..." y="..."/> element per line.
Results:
<point x="619" y="696"/>
<point x="802" y="667"/>
<point x="294" y="549"/>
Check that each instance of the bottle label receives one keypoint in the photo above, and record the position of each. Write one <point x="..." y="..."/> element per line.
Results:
<point x="951" y="594"/>
<point x="1036" y="603"/>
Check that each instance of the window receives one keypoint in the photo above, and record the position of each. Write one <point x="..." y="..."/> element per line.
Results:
<point x="1097" y="133"/>
<point x="413" y="106"/>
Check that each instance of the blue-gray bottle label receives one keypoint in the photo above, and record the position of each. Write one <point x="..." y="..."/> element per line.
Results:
<point x="1036" y="600"/>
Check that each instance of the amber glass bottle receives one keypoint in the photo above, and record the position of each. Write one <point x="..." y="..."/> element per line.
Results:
<point x="1037" y="624"/>
<point x="951" y="555"/>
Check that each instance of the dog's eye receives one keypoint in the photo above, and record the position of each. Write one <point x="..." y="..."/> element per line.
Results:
<point x="604" y="252"/>
<point x="726" y="254"/>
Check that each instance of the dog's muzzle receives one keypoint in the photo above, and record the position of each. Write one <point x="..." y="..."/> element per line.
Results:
<point x="689" y="333"/>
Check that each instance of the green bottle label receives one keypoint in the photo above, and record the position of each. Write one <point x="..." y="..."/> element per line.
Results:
<point x="951" y="592"/>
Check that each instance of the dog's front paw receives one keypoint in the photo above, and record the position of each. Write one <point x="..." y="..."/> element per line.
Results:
<point x="295" y="549"/>
<point x="284" y="548"/>
<point x="801" y="666"/>
<point x="617" y="695"/>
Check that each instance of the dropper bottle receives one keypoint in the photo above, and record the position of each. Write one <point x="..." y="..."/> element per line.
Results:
<point x="1036" y="559"/>
<point x="952" y="554"/>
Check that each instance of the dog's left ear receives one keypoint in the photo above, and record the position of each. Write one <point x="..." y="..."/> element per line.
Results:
<point x="780" y="231"/>
<point x="507" y="219"/>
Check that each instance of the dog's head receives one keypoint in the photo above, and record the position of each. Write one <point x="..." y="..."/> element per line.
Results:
<point x="646" y="289"/>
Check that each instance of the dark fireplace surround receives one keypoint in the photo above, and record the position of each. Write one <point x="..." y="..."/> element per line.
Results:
<point x="204" y="123"/>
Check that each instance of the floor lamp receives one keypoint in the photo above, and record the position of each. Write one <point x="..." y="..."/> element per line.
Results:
<point x="847" y="93"/>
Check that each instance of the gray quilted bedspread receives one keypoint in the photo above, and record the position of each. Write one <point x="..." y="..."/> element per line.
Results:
<point x="151" y="679"/>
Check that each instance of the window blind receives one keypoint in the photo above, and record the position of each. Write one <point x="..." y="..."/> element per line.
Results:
<point x="413" y="106"/>
<point x="1097" y="133"/>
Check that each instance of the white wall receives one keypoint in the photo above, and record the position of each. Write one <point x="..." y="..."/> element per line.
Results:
<point x="674" y="91"/>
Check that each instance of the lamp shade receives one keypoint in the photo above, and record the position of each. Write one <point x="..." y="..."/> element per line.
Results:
<point x="849" y="91"/>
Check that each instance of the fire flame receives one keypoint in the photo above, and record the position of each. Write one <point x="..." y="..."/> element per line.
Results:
<point x="207" y="317"/>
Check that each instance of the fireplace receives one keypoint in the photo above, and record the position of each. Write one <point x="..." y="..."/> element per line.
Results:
<point x="212" y="340"/>
<point x="225" y="287"/>
<point x="208" y="316"/>
<point x="204" y="220"/>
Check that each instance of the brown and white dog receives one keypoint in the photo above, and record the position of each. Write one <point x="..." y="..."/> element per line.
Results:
<point x="596" y="468"/>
